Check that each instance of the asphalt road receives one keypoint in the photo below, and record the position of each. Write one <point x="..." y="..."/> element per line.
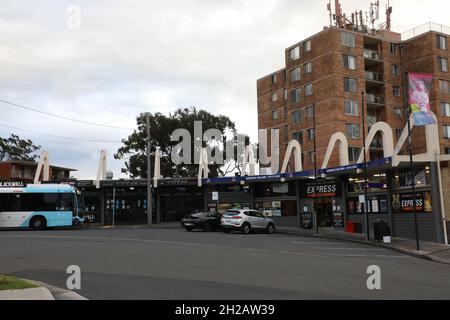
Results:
<point x="174" y="264"/>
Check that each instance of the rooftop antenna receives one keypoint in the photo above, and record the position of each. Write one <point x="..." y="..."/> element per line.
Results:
<point x="331" y="14"/>
<point x="388" y="16"/>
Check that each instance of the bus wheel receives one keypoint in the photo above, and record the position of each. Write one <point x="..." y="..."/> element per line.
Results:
<point x="38" y="223"/>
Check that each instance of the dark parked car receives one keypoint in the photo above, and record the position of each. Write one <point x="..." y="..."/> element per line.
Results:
<point x="207" y="221"/>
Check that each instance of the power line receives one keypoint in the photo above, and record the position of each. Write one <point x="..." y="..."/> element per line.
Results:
<point x="63" y="117"/>
<point x="59" y="137"/>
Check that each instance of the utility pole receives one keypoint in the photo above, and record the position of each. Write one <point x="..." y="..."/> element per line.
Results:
<point x="411" y="169"/>
<point x="366" y="211"/>
<point x="149" y="174"/>
<point x="410" y="147"/>
<point x="315" y="169"/>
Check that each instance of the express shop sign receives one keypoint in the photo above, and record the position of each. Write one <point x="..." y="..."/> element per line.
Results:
<point x="321" y="188"/>
<point x="405" y="202"/>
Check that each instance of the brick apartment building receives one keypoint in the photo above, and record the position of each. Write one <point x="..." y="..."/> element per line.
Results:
<point x="332" y="68"/>
<point x="24" y="171"/>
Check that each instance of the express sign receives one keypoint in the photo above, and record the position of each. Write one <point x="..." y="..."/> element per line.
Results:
<point x="321" y="188"/>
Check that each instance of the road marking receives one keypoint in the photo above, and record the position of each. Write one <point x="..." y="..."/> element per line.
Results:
<point x="306" y="242"/>
<point x="352" y="249"/>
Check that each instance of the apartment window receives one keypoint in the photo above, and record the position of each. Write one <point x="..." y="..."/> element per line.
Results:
<point x="395" y="70"/>
<point x="285" y="94"/>
<point x="309" y="112"/>
<point x="295" y="74"/>
<point x="444" y="86"/>
<point x="348" y="39"/>
<point x="441" y="42"/>
<point x="446" y="131"/>
<point x="443" y="64"/>
<point x="274" y="79"/>
<point x="395" y="48"/>
<point x="307" y="46"/>
<point x="309" y="89"/>
<point x="286" y="132"/>
<point x="307" y="68"/>
<point x="296" y="117"/>
<point x="353" y="154"/>
<point x="294" y="53"/>
<point x="285" y="111"/>
<point x="351" y="107"/>
<point x="296" y="95"/>
<point x="311" y="157"/>
<point x="447" y="150"/>
<point x="445" y="109"/>
<point x="298" y="136"/>
<point x="398" y="133"/>
<point x="349" y="62"/>
<point x="275" y="115"/>
<point x="352" y="130"/>
<point x="396" y="91"/>
<point x="398" y="113"/>
<point x="350" y="85"/>
<point x="274" y="97"/>
<point x="310" y="133"/>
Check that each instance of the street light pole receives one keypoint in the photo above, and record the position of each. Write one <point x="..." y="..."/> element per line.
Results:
<point x="410" y="147"/>
<point x="366" y="211"/>
<point x="149" y="174"/>
<point x="315" y="169"/>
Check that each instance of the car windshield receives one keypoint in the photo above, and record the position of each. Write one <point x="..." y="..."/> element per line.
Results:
<point x="199" y="214"/>
<point x="231" y="213"/>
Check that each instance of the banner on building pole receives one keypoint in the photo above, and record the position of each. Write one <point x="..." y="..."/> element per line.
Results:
<point x="419" y="98"/>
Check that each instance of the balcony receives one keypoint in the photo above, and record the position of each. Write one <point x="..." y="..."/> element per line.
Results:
<point x="375" y="99"/>
<point x="376" y="144"/>
<point x="371" y="120"/>
<point x="372" y="54"/>
<point x="374" y="76"/>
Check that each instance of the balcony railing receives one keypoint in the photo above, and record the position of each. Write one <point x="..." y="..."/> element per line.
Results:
<point x="424" y="29"/>
<point x="376" y="144"/>
<point x="372" y="54"/>
<point x="373" y="98"/>
<point x="371" y="120"/>
<point x="374" y="76"/>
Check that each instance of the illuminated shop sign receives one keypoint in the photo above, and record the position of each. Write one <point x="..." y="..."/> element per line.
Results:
<point x="321" y="188"/>
<point x="404" y="202"/>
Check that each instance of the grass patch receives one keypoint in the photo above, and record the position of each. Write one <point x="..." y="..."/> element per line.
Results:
<point x="12" y="283"/>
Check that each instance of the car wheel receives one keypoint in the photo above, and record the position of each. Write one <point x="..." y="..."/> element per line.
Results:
<point x="226" y="230"/>
<point x="270" y="228"/>
<point x="38" y="223"/>
<point x="246" y="229"/>
<point x="189" y="229"/>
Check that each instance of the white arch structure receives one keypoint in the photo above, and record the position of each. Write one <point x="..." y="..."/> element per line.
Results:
<point x="101" y="170"/>
<point x="203" y="166"/>
<point x="293" y="146"/>
<point x="249" y="157"/>
<point x="157" y="169"/>
<point x="387" y="137"/>
<point x="44" y="163"/>
<point x="340" y="138"/>
<point x="433" y="153"/>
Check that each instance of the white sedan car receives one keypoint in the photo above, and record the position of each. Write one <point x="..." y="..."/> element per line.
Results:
<point x="246" y="221"/>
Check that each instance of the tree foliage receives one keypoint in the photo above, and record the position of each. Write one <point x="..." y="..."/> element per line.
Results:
<point x="14" y="148"/>
<point x="162" y="126"/>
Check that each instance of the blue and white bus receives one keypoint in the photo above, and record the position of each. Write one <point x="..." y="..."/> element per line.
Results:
<point x="39" y="207"/>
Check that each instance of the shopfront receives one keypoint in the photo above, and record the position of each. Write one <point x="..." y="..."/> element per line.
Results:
<point x="324" y="197"/>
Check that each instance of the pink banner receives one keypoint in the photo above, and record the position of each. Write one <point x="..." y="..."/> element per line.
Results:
<point x="419" y="98"/>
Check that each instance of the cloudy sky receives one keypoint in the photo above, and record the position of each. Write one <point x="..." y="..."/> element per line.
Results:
<point x="134" y="56"/>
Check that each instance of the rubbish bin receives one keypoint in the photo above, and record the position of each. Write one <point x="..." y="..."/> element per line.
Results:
<point x="381" y="229"/>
